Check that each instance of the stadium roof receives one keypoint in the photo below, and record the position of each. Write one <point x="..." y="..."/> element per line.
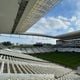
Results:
<point x="68" y="36"/>
<point x="16" y="16"/>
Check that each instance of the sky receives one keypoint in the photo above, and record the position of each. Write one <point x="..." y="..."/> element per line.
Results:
<point x="64" y="18"/>
<point x="61" y="19"/>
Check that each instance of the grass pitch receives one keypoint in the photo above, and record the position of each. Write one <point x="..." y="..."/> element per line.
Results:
<point x="67" y="59"/>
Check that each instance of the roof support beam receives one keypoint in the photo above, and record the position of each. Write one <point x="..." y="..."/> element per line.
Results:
<point x="21" y="9"/>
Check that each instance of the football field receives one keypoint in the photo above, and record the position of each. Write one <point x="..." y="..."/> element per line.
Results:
<point x="67" y="59"/>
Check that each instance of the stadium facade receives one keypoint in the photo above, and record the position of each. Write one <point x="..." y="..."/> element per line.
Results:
<point x="68" y="42"/>
<point x="74" y="43"/>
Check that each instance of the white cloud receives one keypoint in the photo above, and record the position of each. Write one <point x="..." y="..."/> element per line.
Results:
<point x="77" y="24"/>
<point x="70" y="29"/>
<point x="74" y="18"/>
<point x="62" y="18"/>
<point x="53" y="41"/>
<point x="36" y="30"/>
<point x="52" y="23"/>
<point x="57" y="23"/>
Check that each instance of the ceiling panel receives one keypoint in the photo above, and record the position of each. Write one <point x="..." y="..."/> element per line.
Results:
<point x="8" y="11"/>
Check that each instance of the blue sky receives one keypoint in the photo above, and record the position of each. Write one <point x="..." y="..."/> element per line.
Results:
<point x="64" y="18"/>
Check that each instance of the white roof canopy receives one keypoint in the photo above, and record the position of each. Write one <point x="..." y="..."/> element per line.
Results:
<point x="16" y="16"/>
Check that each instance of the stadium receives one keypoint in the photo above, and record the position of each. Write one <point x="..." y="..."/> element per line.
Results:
<point x="38" y="59"/>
